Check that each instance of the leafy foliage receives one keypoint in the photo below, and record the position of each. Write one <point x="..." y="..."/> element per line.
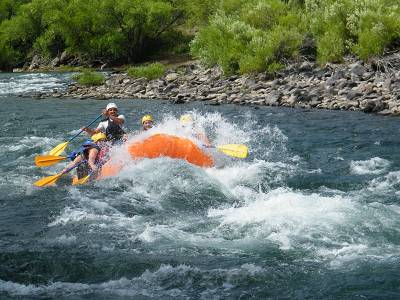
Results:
<point x="117" y="31"/>
<point x="242" y="36"/>
<point x="362" y="27"/>
<point x="151" y="71"/>
<point x="89" y="78"/>
<point x="255" y="36"/>
<point x="8" y="8"/>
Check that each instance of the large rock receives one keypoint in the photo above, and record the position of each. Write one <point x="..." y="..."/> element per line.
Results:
<point x="357" y="69"/>
<point x="171" y="77"/>
<point x="117" y="80"/>
<point x="35" y="63"/>
<point x="216" y="73"/>
<point x="306" y="66"/>
<point x="372" y="105"/>
<point x="273" y="99"/>
<point x="366" y="88"/>
<point x="332" y="81"/>
<point x="353" y="94"/>
<point x="55" y="62"/>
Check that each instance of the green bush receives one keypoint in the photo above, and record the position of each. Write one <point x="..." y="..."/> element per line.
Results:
<point x="151" y="71"/>
<point x="223" y="42"/>
<point x="257" y="36"/>
<point x="330" y="46"/>
<point x="363" y="27"/>
<point x="123" y="31"/>
<point x="241" y="36"/>
<point x="376" y="31"/>
<point x="89" y="78"/>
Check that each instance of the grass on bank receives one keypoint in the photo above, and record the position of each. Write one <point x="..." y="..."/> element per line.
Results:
<point x="151" y="71"/>
<point x="89" y="78"/>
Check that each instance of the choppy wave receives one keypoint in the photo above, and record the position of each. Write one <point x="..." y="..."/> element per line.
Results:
<point x="375" y="165"/>
<point x="166" y="282"/>
<point x="19" y="84"/>
<point x="163" y="228"/>
<point x="242" y="203"/>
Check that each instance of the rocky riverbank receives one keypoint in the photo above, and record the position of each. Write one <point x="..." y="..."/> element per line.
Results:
<point x="372" y="88"/>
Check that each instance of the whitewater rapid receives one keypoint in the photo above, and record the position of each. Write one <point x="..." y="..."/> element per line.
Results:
<point x="313" y="212"/>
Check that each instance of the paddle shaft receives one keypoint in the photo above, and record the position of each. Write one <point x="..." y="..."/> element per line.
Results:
<point x="73" y="167"/>
<point x="98" y="117"/>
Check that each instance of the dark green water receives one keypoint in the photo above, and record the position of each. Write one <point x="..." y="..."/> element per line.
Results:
<point x="313" y="213"/>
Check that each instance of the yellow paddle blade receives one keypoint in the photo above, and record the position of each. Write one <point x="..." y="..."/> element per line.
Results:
<point x="57" y="150"/>
<point x="47" y="160"/>
<point x="48" y="180"/>
<point x="234" y="150"/>
<point x="83" y="180"/>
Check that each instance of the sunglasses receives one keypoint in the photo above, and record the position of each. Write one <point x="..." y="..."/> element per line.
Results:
<point x="112" y="109"/>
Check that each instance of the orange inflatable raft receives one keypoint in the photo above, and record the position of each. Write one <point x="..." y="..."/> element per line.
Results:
<point x="159" y="145"/>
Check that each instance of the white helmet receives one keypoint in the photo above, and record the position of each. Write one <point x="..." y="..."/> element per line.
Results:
<point x="111" y="105"/>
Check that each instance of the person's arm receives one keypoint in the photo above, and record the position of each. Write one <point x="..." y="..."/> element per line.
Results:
<point x="92" y="158"/>
<point x="73" y="163"/>
<point x="120" y="120"/>
<point x="204" y="139"/>
<point x="100" y="128"/>
<point x="91" y="131"/>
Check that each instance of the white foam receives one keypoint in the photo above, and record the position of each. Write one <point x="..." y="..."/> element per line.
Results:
<point x="332" y="225"/>
<point x="28" y="142"/>
<point x="66" y="239"/>
<point x="385" y="183"/>
<point x="375" y="165"/>
<point x="253" y="173"/>
<point x="78" y="215"/>
<point x="33" y="82"/>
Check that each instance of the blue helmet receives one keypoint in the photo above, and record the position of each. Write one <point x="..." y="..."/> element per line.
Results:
<point x="73" y="155"/>
<point x="88" y="143"/>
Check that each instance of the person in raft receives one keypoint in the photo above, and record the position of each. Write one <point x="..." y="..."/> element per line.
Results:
<point x="91" y="156"/>
<point x="187" y="122"/>
<point x="147" y="122"/>
<point x="112" y="125"/>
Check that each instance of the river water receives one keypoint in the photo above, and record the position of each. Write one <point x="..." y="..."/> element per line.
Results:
<point x="312" y="213"/>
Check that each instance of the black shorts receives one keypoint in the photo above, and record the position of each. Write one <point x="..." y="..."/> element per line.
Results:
<point x="83" y="170"/>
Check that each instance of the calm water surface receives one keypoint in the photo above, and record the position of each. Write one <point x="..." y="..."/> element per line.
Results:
<point x="312" y="213"/>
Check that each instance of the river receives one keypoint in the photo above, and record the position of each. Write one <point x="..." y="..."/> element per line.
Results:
<point x="312" y="213"/>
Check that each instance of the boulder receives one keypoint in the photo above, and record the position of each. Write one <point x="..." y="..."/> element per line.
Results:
<point x="357" y="69"/>
<point x="35" y="63"/>
<point x="171" y="77"/>
<point x="306" y="67"/>
<point x="353" y="94"/>
<point x="55" y="62"/>
<point x="332" y="81"/>
<point x="64" y="57"/>
<point x="369" y="105"/>
<point x="273" y="98"/>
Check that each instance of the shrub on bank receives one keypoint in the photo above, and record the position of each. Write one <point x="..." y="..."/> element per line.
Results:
<point x="254" y="37"/>
<point x="151" y="71"/>
<point x="261" y="35"/>
<point x="89" y="78"/>
<point x="363" y="27"/>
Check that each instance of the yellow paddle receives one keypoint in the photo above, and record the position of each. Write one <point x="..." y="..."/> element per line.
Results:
<point x="48" y="160"/>
<point x="83" y="180"/>
<point x="57" y="150"/>
<point x="234" y="150"/>
<point x="53" y="178"/>
<point x="48" y="180"/>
